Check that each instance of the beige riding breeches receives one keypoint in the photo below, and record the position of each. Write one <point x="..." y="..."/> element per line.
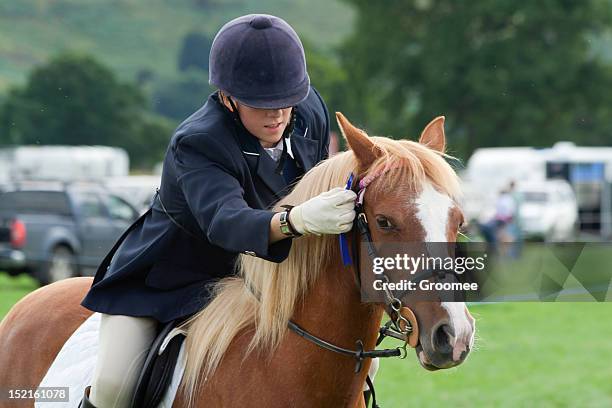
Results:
<point x="122" y="350"/>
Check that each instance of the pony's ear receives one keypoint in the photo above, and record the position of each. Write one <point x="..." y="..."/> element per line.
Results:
<point x="433" y="135"/>
<point x="365" y="150"/>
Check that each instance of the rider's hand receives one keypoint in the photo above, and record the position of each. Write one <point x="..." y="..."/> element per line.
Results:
<point x="331" y="212"/>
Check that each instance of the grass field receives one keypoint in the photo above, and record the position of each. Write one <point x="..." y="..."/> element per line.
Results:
<point x="12" y="289"/>
<point x="527" y="355"/>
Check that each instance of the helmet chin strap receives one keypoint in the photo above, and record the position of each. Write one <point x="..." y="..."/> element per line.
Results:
<point x="286" y="134"/>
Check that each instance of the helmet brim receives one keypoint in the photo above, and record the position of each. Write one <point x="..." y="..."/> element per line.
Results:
<point x="273" y="101"/>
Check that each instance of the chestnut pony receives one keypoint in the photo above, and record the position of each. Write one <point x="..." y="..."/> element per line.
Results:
<point x="239" y="349"/>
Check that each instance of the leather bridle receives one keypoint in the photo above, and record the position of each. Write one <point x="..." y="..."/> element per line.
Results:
<point x="403" y="324"/>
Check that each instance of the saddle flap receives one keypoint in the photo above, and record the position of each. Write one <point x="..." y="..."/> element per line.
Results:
<point x="173" y="333"/>
<point x="158" y="368"/>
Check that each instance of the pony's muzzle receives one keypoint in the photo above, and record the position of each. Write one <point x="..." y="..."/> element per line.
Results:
<point x="448" y="350"/>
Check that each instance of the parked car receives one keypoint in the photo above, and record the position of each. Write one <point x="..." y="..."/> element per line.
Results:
<point x="55" y="231"/>
<point x="548" y="210"/>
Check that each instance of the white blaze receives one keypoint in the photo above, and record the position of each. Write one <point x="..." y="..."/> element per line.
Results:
<point x="433" y="209"/>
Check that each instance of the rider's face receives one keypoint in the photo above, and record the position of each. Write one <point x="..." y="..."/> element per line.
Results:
<point x="267" y="125"/>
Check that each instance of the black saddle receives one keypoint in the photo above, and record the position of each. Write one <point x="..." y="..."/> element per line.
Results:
<point x="158" y="369"/>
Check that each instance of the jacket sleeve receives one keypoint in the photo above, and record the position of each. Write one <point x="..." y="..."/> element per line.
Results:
<point x="209" y="179"/>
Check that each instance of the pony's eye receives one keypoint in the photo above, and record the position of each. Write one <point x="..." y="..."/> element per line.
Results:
<point x="383" y="222"/>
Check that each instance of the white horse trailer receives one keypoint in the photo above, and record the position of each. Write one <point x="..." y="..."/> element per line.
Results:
<point x="495" y="167"/>
<point x="587" y="169"/>
<point x="491" y="169"/>
<point x="64" y="163"/>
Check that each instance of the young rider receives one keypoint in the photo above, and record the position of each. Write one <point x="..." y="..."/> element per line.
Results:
<point x="224" y="167"/>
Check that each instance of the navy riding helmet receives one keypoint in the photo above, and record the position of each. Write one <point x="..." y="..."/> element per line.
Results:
<point x="259" y="60"/>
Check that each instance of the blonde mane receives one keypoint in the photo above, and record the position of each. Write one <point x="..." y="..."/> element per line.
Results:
<point x="280" y="286"/>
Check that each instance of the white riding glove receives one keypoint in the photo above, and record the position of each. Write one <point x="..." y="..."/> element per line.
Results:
<point x="331" y="212"/>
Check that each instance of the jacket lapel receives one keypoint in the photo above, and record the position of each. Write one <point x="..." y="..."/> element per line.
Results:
<point x="261" y="163"/>
<point x="304" y="150"/>
<point x="266" y="170"/>
<point x="249" y="148"/>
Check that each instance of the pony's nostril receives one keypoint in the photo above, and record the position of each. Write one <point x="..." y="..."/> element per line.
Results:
<point x="442" y="337"/>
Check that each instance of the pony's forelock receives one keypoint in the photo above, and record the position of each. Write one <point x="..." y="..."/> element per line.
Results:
<point x="410" y="164"/>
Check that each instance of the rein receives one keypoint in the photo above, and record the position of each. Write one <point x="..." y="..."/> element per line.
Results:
<point x="358" y="354"/>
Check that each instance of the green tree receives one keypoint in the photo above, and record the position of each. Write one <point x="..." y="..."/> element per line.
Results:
<point x="150" y="141"/>
<point x="179" y="98"/>
<point x="503" y="73"/>
<point x="194" y="52"/>
<point x="326" y="75"/>
<point x="75" y="100"/>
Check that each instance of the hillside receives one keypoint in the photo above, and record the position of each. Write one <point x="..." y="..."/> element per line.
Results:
<point x="136" y="35"/>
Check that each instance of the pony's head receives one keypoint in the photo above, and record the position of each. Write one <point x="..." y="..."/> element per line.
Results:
<point x="412" y="197"/>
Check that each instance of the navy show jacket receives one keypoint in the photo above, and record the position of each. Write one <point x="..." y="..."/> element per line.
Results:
<point x="217" y="184"/>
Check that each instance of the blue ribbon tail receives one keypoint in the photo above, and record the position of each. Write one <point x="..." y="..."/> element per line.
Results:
<point x="344" y="251"/>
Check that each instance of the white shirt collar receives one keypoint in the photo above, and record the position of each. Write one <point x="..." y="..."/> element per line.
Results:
<point x="276" y="151"/>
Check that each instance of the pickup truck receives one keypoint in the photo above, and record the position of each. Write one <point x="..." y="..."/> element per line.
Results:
<point x="60" y="231"/>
